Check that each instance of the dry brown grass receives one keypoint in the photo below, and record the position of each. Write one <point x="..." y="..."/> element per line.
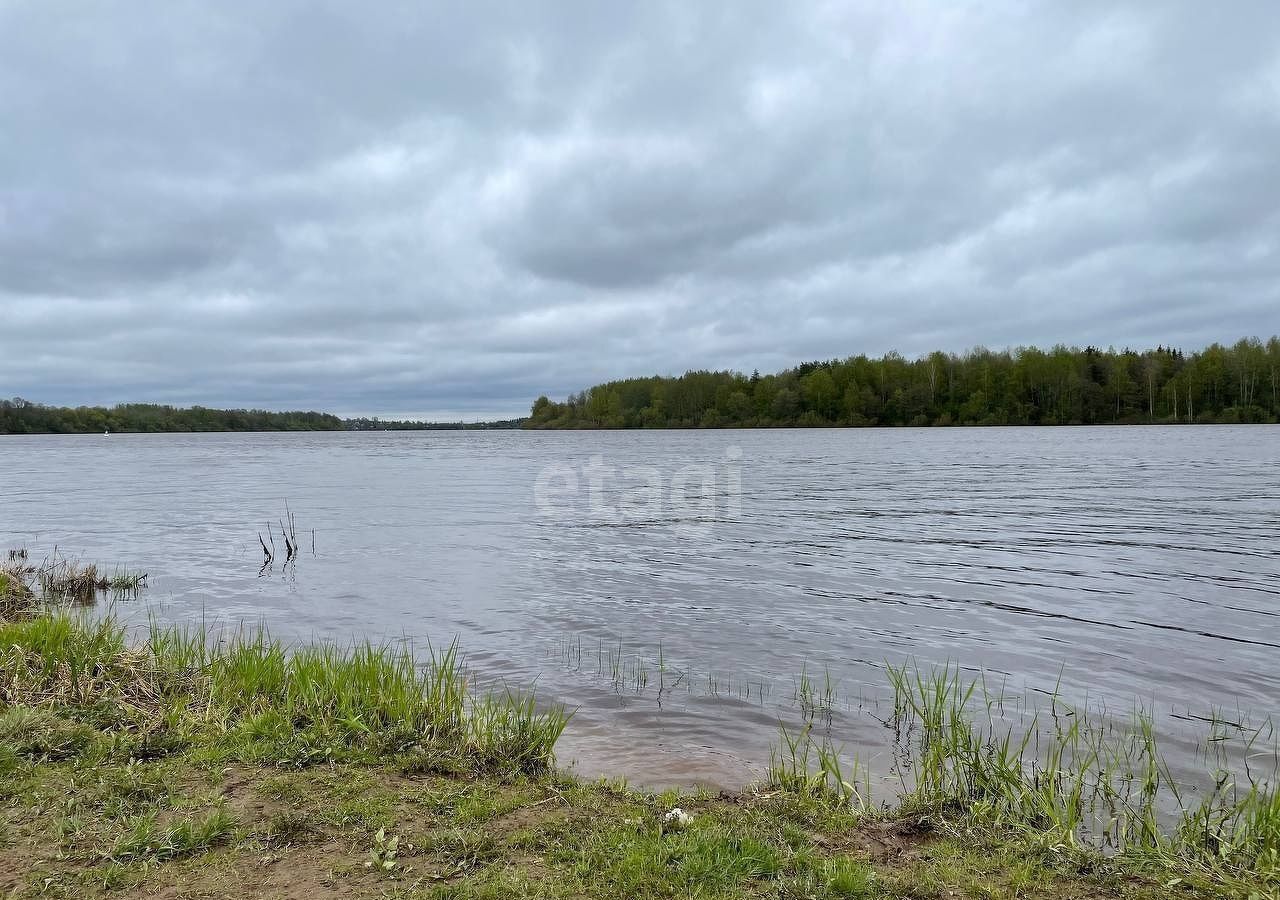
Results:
<point x="16" y="597"/>
<point x="67" y="580"/>
<point x="129" y="682"/>
<point x="24" y="586"/>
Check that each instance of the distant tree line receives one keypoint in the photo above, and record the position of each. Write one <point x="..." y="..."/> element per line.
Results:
<point x="20" y="416"/>
<point x="376" y="424"/>
<point x="1026" y="386"/>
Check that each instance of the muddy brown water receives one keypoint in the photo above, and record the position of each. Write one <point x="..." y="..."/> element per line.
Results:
<point x="678" y="588"/>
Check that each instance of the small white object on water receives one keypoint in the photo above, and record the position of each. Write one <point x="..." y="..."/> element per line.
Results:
<point x="677" y="819"/>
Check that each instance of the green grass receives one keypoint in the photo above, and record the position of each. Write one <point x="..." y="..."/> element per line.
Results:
<point x="196" y="824"/>
<point x="1085" y="786"/>
<point x="145" y="837"/>
<point x="266" y="703"/>
<point x="192" y="765"/>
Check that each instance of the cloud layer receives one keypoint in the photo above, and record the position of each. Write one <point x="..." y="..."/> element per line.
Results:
<point x="447" y="211"/>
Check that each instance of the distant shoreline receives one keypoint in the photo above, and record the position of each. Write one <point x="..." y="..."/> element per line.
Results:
<point x="1218" y="385"/>
<point x="24" y="417"/>
<point x="491" y="426"/>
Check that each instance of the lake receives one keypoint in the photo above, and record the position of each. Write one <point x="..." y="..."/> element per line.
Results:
<point x="680" y="588"/>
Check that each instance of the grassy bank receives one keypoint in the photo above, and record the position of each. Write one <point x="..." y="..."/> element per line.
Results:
<point x="180" y="766"/>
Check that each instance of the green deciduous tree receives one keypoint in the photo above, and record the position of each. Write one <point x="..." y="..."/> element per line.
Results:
<point x="1024" y="386"/>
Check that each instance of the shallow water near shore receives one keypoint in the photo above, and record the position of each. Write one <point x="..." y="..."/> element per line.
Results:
<point x="686" y="591"/>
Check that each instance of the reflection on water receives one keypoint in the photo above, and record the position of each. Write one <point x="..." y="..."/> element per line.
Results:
<point x="1125" y="564"/>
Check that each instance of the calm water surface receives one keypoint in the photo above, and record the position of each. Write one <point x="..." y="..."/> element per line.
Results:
<point x="676" y="600"/>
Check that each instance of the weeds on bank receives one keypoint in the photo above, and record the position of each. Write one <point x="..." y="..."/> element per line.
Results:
<point x="814" y="767"/>
<point x="248" y="695"/>
<point x="89" y="722"/>
<point x="268" y="703"/>
<point x="1069" y="781"/>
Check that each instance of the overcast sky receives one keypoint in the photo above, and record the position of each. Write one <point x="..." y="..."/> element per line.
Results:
<point x="444" y="210"/>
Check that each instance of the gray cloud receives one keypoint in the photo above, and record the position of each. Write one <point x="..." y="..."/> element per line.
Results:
<point x="447" y="211"/>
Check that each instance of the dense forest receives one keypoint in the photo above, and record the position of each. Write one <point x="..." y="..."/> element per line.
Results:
<point x="1026" y="386"/>
<point x="23" y="417"/>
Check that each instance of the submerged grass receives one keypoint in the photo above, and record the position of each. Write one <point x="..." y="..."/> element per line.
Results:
<point x="24" y="587"/>
<point x="639" y="673"/>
